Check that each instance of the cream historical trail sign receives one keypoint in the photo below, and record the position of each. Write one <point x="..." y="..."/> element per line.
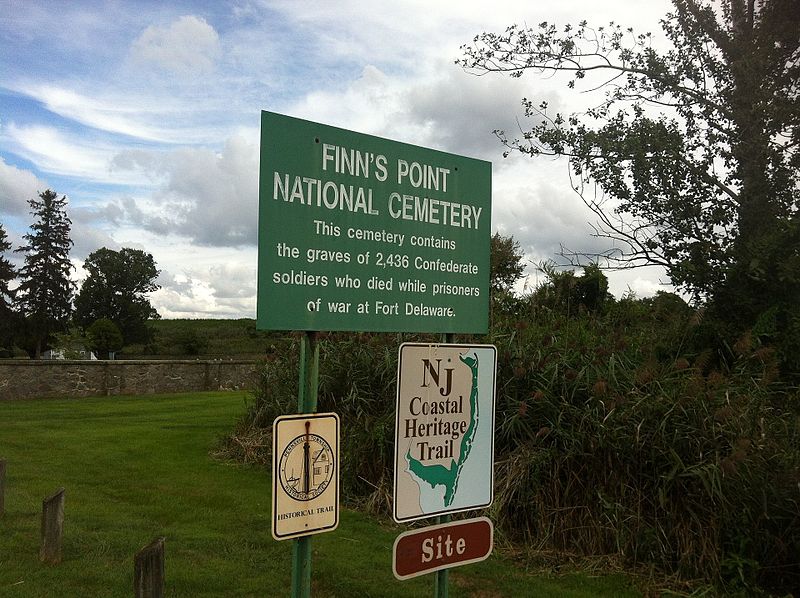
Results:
<point x="444" y="434"/>
<point x="362" y="233"/>
<point x="305" y="474"/>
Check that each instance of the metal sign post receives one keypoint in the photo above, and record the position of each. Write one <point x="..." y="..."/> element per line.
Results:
<point x="441" y="585"/>
<point x="306" y="403"/>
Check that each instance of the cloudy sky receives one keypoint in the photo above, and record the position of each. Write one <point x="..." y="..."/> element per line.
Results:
<point x="146" y="116"/>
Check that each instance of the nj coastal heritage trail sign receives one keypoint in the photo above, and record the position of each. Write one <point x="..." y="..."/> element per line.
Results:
<point x="444" y="431"/>
<point x="361" y="233"/>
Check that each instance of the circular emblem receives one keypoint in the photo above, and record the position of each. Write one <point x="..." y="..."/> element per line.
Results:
<point x="306" y="467"/>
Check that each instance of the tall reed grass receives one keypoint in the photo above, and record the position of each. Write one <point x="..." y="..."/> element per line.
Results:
<point x="613" y="437"/>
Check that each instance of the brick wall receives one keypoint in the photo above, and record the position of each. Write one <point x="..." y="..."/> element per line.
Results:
<point x="27" y="379"/>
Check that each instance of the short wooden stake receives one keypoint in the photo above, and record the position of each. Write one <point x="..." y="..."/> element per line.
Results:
<point x="148" y="570"/>
<point x="2" y="487"/>
<point x="52" y="527"/>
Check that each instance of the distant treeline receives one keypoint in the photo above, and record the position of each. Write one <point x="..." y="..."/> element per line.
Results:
<point x="205" y="338"/>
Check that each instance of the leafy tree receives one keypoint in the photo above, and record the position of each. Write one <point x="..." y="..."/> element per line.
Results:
<point x="46" y="289"/>
<point x="115" y="289"/>
<point x="569" y="294"/>
<point x="694" y="152"/>
<point x="505" y="263"/>
<point x="104" y="337"/>
<point x="7" y="314"/>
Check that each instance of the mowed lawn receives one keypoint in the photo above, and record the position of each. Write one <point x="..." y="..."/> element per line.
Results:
<point x="135" y="468"/>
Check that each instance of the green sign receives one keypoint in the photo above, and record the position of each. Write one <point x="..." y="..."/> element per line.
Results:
<point x="362" y="233"/>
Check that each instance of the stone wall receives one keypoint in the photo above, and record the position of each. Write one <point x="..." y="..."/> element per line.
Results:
<point x="28" y="379"/>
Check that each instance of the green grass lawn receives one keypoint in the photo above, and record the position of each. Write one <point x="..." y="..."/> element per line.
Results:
<point x="135" y="468"/>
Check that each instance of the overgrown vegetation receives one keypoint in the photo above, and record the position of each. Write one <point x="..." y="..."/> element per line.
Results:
<point x="616" y="437"/>
<point x="619" y="433"/>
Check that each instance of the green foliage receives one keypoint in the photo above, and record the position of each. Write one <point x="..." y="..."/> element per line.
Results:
<point x="693" y="153"/>
<point x="699" y="183"/>
<point x="116" y="289"/>
<point x="71" y="343"/>
<point x="8" y="318"/>
<point x="7" y="274"/>
<point x="104" y="337"/>
<point x="359" y="383"/>
<point x="44" y="295"/>
<point x="569" y="294"/>
<point x="190" y="342"/>
<point x="505" y="267"/>
<point x="613" y="440"/>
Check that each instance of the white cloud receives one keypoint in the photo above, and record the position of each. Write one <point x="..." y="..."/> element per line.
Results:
<point x="208" y="197"/>
<point x="449" y="110"/>
<point x="54" y="152"/>
<point x="87" y="237"/>
<point x="461" y="111"/>
<point x="123" y="115"/>
<point x="192" y="301"/>
<point x="233" y="281"/>
<point x="188" y="46"/>
<point x="139" y="110"/>
<point x="221" y="283"/>
<point x="643" y="282"/>
<point x="17" y="186"/>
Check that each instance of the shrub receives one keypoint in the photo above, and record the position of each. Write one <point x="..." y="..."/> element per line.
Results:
<point x="104" y="337"/>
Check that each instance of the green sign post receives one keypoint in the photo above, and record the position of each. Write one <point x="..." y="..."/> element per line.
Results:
<point x="365" y="234"/>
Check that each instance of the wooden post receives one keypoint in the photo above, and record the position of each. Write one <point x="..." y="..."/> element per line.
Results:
<point x="52" y="527"/>
<point x="2" y="487"/>
<point x="148" y="570"/>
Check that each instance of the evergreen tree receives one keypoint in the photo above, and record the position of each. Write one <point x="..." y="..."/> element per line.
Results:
<point x="46" y="289"/>
<point x="7" y="314"/>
